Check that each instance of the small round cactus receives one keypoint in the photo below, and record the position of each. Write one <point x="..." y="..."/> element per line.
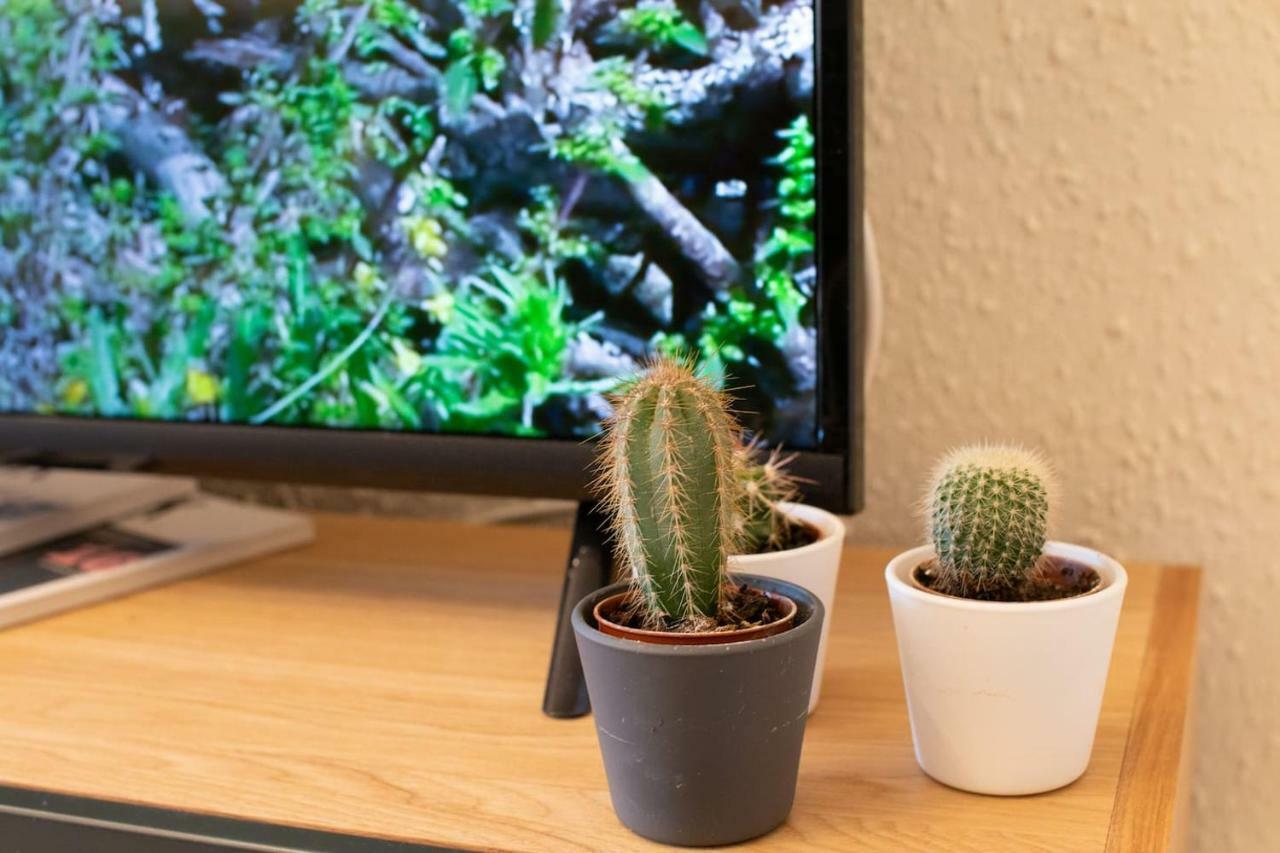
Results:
<point x="987" y="509"/>
<point x="667" y="476"/>
<point x="764" y="486"/>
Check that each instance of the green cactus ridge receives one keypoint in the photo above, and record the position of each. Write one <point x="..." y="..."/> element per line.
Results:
<point x="667" y="475"/>
<point x="987" y="511"/>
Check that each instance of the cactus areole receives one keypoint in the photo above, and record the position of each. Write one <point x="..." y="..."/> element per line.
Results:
<point x="667" y="474"/>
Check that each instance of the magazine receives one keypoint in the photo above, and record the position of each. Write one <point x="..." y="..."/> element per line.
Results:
<point x="39" y="504"/>
<point x="175" y="541"/>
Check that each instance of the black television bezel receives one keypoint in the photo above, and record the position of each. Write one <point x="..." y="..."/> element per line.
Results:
<point x="555" y="468"/>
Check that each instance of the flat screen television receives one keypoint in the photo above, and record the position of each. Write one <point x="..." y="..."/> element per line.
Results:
<point x="416" y="243"/>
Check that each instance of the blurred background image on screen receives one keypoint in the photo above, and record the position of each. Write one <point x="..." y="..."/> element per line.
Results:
<point x="439" y="216"/>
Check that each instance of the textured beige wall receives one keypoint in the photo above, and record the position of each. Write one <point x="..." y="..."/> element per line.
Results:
<point x="1078" y="210"/>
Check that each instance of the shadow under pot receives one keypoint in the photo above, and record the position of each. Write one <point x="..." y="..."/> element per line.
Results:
<point x="701" y="739"/>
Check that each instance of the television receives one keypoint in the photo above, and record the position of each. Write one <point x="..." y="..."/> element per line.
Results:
<point x="416" y="243"/>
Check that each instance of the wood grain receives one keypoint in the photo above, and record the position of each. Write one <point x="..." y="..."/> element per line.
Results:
<point x="387" y="680"/>
<point x="1155" y="762"/>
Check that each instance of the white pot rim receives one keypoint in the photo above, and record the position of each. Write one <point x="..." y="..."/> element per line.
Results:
<point x="829" y="525"/>
<point x="1114" y="580"/>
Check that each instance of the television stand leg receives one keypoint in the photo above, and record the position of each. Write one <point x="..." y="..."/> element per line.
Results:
<point x="590" y="567"/>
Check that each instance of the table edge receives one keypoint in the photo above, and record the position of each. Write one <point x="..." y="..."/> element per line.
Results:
<point x="38" y="811"/>
<point x="1147" y="794"/>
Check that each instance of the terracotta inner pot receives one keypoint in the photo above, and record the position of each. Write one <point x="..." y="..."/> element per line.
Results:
<point x="607" y="607"/>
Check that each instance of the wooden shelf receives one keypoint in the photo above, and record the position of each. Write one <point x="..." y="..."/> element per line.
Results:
<point x="387" y="681"/>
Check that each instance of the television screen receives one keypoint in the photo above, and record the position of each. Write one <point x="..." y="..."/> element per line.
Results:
<point x="449" y="216"/>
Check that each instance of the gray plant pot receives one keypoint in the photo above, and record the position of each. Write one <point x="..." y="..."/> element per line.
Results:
<point x="701" y="744"/>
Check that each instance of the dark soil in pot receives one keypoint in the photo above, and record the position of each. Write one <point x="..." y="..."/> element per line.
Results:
<point x="794" y="534"/>
<point x="1053" y="578"/>
<point x="701" y="743"/>
<point x="744" y="608"/>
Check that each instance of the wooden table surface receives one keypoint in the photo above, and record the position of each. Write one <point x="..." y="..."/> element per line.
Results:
<point x="387" y="680"/>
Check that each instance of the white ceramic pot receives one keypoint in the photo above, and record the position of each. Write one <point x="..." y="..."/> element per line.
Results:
<point x="1004" y="696"/>
<point x="814" y="567"/>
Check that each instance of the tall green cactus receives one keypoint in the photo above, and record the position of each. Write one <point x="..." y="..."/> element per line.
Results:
<point x="987" y="509"/>
<point x="667" y="471"/>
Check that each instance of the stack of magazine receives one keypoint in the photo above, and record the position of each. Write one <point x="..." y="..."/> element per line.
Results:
<point x="72" y="537"/>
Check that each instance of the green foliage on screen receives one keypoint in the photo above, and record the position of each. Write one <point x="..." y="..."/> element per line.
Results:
<point x="388" y="214"/>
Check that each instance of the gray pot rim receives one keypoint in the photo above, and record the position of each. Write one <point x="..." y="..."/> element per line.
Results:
<point x="585" y="626"/>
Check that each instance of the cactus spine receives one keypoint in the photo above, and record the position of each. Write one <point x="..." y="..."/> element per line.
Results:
<point x="987" y="510"/>
<point x="764" y="486"/>
<point x="667" y="474"/>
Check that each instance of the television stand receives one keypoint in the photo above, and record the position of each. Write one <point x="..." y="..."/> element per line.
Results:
<point x="590" y="567"/>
